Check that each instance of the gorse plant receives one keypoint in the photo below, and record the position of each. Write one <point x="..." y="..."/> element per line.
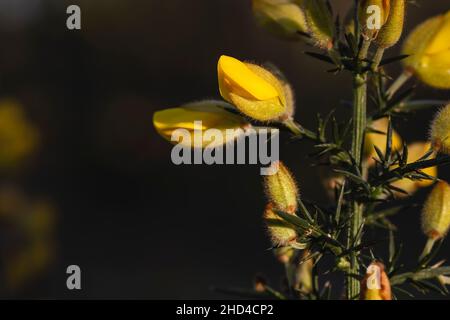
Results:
<point x="370" y="167"/>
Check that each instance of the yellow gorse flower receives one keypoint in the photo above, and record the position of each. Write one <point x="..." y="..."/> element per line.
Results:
<point x="380" y="288"/>
<point x="255" y="91"/>
<point x="436" y="212"/>
<point x="378" y="139"/>
<point x="440" y="130"/>
<point x="364" y="16"/>
<point x="429" y="48"/>
<point x="416" y="151"/>
<point x="212" y="114"/>
<point x="285" y="18"/>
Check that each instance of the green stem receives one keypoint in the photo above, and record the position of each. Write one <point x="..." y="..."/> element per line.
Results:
<point x="359" y="115"/>
<point x="359" y="126"/>
<point x="364" y="49"/>
<point x="298" y="130"/>
<point x="377" y="58"/>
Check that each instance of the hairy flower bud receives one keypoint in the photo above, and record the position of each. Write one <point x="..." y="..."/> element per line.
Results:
<point x="281" y="189"/>
<point x="376" y="285"/>
<point x="392" y="29"/>
<point x="284" y="18"/>
<point x="429" y="48"/>
<point x="284" y="254"/>
<point x="281" y="233"/>
<point x="254" y="90"/>
<point x="212" y="114"/>
<point x="373" y="15"/>
<point x="436" y="212"/>
<point x="440" y="130"/>
<point x="320" y="23"/>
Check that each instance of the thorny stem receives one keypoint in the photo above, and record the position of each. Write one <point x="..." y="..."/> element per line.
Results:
<point x="401" y="80"/>
<point x="359" y="126"/>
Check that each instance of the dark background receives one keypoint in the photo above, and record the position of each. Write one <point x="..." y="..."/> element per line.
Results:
<point x="137" y="225"/>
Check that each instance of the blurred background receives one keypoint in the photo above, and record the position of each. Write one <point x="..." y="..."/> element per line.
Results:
<point x="86" y="180"/>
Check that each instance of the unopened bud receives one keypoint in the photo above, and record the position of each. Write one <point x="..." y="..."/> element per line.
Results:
<point x="392" y="30"/>
<point x="320" y="23"/>
<point x="284" y="254"/>
<point x="284" y="18"/>
<point x="281" y="233"/>
<point x="440" y="130"/>
<point x="436" y="212"/>
<point x="281" y="188"/>
<point x="376" y="285"/>
<point x="373" y="15"/>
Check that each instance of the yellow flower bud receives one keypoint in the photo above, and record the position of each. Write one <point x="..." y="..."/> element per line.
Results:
<point x="376" y="285"/>
<point x="368" y="17"/>
<point x="18" y="137"/>
<point x="284" y="254"/>
<point x="415" y="152"/>
<point x="320" y="23"/>
<point x="392" y="29"/>
<point x="281" y="189"/>
<point x="255" y="91"/>
<point x="440" y="130"/>
<point x="436" y="212"/>
<point x="429" y="48"/>
<point x="285" y="18"/>
<point x="260" y="283"/>
<point x="373" y="139"/>
<point x="212" y="115"/>
<point x="281" y="233"/>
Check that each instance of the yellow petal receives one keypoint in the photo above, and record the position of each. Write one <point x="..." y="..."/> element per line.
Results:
<point x="211" y="114"/>
<point x="441" y="41"/>
<point x="429" y="47"/>
<point x="238" y="78"/>
<point x="415" y="152"/>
